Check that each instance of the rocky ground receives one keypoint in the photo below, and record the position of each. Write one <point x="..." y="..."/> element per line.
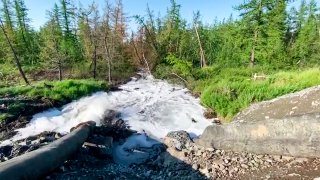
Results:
<point x="178" y="158"/>
<point x="220" y="164"/>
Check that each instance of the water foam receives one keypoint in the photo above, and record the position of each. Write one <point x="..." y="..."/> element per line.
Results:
<point x="147" y="104"/>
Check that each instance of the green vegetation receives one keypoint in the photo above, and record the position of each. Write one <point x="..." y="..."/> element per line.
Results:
<point x="74" y="43"/>
<point x="232" y="90"/>
<point x="227" y="91"/>
<point x="43" y="95"/>
<point x="59" y="90"/>
<point x="281" y="46"/>
<point x="4" y="117"/>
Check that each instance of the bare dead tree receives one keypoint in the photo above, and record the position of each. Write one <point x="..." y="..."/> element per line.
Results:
<point x="202" y="56"/>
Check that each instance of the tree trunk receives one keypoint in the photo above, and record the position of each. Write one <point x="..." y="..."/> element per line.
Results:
<point x="59" y="60"/>
<point x="253" y="50"/>
<point x="14" y="54"/>
<point x="109" y="71"/>
<point x="108" y="59"/>
<point x="146" y="62"/>
<point x="94" y="59"/>
<point x="136" y="51"/>
<point x="60" y="69"/>
<point x="202" y="57"/>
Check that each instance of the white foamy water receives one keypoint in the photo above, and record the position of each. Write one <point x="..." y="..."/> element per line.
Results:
<point x="146" y="104"/>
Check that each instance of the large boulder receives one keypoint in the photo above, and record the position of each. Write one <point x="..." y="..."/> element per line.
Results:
<point x="289" y="125"/>
<point x="303" y="102"/>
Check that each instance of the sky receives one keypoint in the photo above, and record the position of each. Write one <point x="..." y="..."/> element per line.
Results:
<point x="210" y="9"/>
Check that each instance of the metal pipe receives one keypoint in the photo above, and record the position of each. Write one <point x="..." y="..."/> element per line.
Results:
<point x="38" y="163"/>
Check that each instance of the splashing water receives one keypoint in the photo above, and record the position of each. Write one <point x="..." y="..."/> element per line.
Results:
<point x="146" y="104"/>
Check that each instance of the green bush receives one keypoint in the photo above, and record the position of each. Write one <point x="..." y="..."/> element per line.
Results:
<point x="179" y="66"/>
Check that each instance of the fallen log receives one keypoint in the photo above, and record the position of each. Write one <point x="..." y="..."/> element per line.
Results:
<point x="37" y="164"/>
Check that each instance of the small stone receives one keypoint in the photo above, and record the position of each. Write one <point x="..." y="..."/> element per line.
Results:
<point x="244" y="166"/>
<point x="62" y="168"/>
<point x="204" y="155"/>
<point x="235" y="159"/>
<point x="28" y="142"/>
<point x="260" y="156"/>
<point x="224" y="171"/>
<point x="32" y="138"/>
<point x="222" y="167"/>
<point x="35" y="142"/>
<point x="57" y="136"/>
<point x="269" y="160"/>
<point x="215" y="166"/>
<point x="210" y="149"/>
<point x="268" y="176"/>
<point x="198" y="153"/>
<point x="287" y="158"/>
<point x="42" y="139"/>
<point x="205" y="171"/>
<point x="185" y="154"/>
<point x="195" y="166"/>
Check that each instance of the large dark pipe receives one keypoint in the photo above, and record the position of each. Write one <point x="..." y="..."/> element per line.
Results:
<point x="37" y="164"/>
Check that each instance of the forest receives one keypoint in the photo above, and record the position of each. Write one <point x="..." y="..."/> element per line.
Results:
<point x="271" y="49"/>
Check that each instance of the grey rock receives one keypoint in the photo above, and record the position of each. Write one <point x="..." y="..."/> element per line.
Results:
<point x="195" y="166"/>
<point x="291" y="136"/>
<point x="178" y="139"/>
<point x="244" y="166"/>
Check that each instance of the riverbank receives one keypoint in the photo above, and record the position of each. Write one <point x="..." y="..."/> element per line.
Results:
<point x="227" y="91"/>
<point x="19" y="103"/>
<point x="138" y="109"/>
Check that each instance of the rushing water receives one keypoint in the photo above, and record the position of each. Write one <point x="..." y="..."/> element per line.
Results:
<point x="146" y="104"/>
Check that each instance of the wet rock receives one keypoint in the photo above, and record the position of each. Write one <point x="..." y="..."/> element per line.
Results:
<point x="209" y="114"/>
<point x="58" y="136"/>
<point x="100" y="147"/>
<point x="109" y="117"/>
<point x="32" y="138"/>
<point x="5" y="152"/>
<point x="178" y="139"/>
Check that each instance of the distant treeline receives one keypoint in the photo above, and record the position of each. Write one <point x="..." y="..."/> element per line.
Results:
<point x="81" y="42"/>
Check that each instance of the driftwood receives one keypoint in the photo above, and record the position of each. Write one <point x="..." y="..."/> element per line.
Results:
<point x="38" y="163"/>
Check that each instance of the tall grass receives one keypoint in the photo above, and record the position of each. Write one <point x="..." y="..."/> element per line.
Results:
<point x="229" y="91"/>
<point x="58" y="90"/>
